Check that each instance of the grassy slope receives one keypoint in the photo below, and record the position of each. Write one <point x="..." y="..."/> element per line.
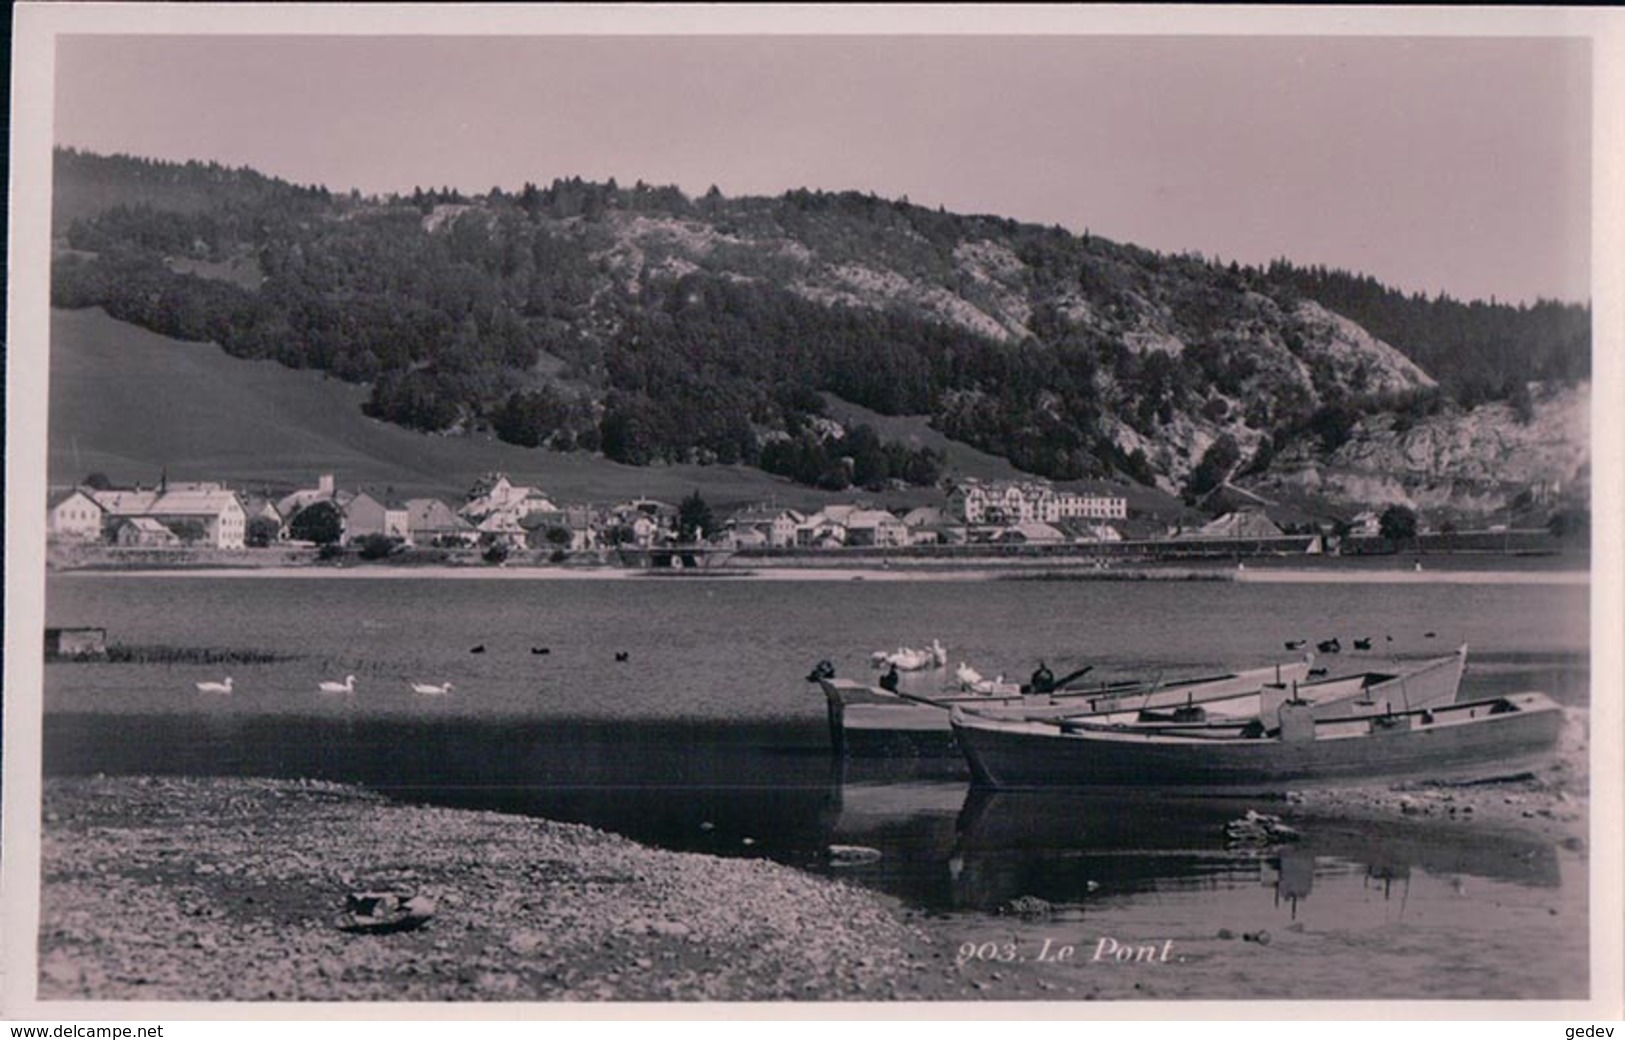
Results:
<point x="129" y="403"/>
<point x="965" y="461"/>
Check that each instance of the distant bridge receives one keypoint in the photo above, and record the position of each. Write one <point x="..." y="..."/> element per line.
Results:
<point x="681" y="557"/>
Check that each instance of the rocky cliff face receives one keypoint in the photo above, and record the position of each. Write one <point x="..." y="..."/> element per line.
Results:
<point x="1474" y="462"/>
<point x="1240" y="375"/>
<point x="1243" y="365"/>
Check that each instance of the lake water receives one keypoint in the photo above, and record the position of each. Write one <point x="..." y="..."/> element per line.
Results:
<point x="707" y="738"/>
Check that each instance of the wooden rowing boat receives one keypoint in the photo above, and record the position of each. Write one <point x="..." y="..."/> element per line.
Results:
<point x="1486" y="737"/>
<point x="865" y="718"/>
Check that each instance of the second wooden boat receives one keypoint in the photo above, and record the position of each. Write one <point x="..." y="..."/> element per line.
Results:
<point x="1491" y="737"/>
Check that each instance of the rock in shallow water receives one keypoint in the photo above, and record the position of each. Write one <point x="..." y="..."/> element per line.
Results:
<point x="380" y="913"/>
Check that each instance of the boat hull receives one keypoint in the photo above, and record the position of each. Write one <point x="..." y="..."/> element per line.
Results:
<point x="1483" y="738"/>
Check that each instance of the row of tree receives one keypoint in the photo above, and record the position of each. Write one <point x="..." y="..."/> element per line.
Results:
<point x="447" y="314"/>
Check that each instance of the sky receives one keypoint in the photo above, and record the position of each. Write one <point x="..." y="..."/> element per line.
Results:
<point x="1455" y="164"/>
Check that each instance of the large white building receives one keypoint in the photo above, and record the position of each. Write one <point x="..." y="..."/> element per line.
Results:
<point x="217" y="515"/>
<point x="1074" y="506"/>
<point x="1029" y="501"/>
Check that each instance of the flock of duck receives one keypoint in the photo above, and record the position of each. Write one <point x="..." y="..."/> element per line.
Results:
<point x="913" y="659"/>
<point x="348" y="685"/>
<point x="1335" y="645"/>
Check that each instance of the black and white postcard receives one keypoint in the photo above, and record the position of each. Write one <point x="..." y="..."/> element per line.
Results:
<point x="612" y="511"/>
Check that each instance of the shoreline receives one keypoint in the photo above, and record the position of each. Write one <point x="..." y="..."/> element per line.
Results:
<point x="981" y="570"/>
<point x="233" y="889"/>
<point x="225" y="889"/>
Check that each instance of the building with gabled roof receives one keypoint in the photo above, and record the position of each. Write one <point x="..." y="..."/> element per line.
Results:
<point x="369" y="514"/>
<point x="822" y="530"/>
<point x="776" y="528"/>
<point x="221" y="514"/>
<point x="1030" y="532"/>
<point x="121" y="502"/>
<point x="430" y="521"/>
<point x="74" y="514"/>
<point x="494" y="495"/>
<point x="875" y="527"/>
<point x="576" y="521"/>
<point x="143" y="532"/>
<point x="1246" y="523"/>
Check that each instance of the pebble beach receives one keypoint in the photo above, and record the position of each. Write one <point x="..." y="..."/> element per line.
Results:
<point x="233" y="890"/>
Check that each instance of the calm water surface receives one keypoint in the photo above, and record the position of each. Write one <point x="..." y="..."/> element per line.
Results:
<point x="707" y="738"/>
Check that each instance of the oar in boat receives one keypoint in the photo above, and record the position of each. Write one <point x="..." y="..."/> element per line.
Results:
<point x="1060" y="684"/>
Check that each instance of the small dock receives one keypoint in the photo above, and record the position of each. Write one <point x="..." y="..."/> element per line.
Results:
<point x="75" y="643"/>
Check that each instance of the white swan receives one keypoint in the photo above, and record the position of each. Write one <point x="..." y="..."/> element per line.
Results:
<point x="215" y="687"/>
<point x="347" y="686"/>
<point x="420" y="687"/>
<point x="972" y="681"/>
<point x="908" y="659"/>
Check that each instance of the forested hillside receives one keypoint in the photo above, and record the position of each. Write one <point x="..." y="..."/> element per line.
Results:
<point x="650" y="326"/>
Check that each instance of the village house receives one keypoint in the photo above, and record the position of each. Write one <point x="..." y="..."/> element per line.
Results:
<point x="875" y="527"/>
<point x="643" y="522"/>
<point x="369" y="515"/>
<point x="1366" y="525"/>
<point x="217" y="512"/>
<point x="75" y="515"/>
<point x="930" y="525"/>
<point x="495" y="494"/>
<point x="764" y="527"/>
<point x="502" y="528"/>
<point x="1244" y="524"/>
<point x="1095" y="533"/>
<point x="924" y="516"/>
<point x="326" y="490"/>
<point x="430" y="521"/>
<point x="196" y="512"/>
<point x="142" y="532"/>
<point x="825" y="529"/>
<point x="1031" y="532"/>
<point x="744" y="537"/>
<point x="259" y="507"/>
<point x="571" y="529"/>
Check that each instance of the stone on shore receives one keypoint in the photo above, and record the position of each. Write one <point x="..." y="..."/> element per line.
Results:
<point x="226" y="889"/>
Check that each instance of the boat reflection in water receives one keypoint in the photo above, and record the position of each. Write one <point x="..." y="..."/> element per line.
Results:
<point x="949" y="848"/>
